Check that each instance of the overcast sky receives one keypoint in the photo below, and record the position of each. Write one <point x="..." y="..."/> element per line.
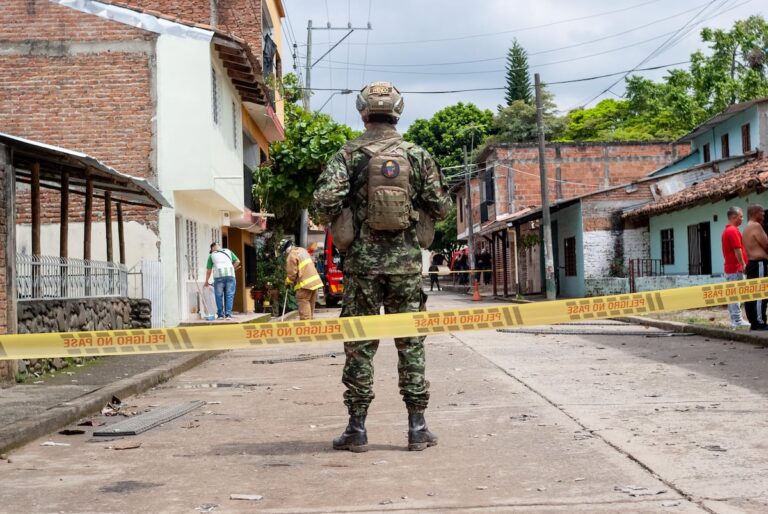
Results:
<point x="409" y="39"/>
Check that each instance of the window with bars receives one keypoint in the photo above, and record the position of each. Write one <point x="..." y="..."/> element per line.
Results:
<point x="570" y="256"/>
<point x="215" y="94"/>
<point x="746" y="144"/>
<point x="725" y="147"/>
<point x="192" y="255"/>
<point x="668" y="246"/>
<point x="215" y="235"/>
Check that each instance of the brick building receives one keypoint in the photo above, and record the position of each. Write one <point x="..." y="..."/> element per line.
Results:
<point x="174" y="91"/>
<point x="506" y="197"/>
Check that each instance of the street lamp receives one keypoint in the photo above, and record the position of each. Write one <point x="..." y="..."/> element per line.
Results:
<point x="342" y="92"/>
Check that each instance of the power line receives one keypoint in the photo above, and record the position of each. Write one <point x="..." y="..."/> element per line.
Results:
<point x="349" y="23"/>
<point x="540" y="52"/>
<point x="655" y="52"/>
<point x="552" y="63"/>
<point x="583" y="79"/>
<point x="521" y="29"/>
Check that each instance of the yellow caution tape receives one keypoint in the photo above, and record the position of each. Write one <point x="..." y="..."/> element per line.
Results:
<point x="449" y="272"/>
<point x="232" y="336"/>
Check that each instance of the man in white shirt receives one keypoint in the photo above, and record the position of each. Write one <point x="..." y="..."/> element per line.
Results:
<point x="222" y="263"/>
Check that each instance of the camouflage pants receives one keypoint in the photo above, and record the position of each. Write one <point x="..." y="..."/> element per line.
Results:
<point x="363" y="296"/>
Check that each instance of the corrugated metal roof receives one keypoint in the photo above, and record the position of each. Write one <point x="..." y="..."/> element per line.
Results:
<point x="55" y="160"/>
<point x="741" y="180"/>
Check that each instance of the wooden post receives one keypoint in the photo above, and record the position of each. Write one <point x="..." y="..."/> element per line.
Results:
<point x="88" y="216"/>
<point x="108" y="221"/>
<point x="36" y="209"/>
<point x="64" y="217"/>
<point x="64" y="234"/>
<point x="8" y="369"/>
<point x="87" y="233"/>
<point x="505" y="260"/>
<point x="36" y="262"/>
<point x="120" y="232"/>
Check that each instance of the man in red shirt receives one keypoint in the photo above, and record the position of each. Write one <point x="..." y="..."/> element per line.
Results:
<point x="735" y="259"/>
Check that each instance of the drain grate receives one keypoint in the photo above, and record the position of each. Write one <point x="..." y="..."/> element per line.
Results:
<point x="144" y="422"/>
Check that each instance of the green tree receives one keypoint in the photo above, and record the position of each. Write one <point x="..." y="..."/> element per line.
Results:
<point x="445" y="234"/>
<point x="733" y="70"/>
<point x="516" y="123"/>
<point x="284" y="185"/>
<point x="518" y="86"/>
<point x="446" y="133"/>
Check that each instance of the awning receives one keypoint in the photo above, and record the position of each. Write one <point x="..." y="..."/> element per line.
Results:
<point x="55" y="161"/>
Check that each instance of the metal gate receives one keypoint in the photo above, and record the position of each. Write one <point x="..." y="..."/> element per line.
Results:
<point x="152" y="289"/>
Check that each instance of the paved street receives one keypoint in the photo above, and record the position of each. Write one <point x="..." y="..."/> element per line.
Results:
<point x="527" y="423"/>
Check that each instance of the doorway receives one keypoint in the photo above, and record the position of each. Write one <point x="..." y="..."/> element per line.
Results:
<point x="699" y="249"/>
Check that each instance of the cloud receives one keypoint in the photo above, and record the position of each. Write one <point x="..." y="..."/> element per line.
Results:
<point x="400" y="20"/>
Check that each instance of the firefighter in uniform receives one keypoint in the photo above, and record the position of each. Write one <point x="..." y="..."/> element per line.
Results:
<point x="301" y="274"/>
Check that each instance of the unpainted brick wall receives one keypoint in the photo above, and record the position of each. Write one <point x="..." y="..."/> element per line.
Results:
<point x="98" y="102"/>
<point x="241" y="18"/>
<point x="573" y="169"/>
<point x="24" y="21"/>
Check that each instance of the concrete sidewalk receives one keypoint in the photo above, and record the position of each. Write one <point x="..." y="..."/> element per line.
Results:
<point x="32" y="409"/>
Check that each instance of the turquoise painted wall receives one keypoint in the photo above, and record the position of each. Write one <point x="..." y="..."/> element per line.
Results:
<point x="679" y="221"/>
<point x="733" y="128"/>
<point x="692" y="159"/>
<point x="569" y="225"/>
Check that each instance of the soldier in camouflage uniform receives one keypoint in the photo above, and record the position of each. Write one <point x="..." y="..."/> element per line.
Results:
<point x="382" y="267"/>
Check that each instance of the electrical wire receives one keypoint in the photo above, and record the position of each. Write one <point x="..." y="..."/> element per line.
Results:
<point x="551" y="63"/>
<point x="657" y="51"/>
<point x="540" y="52"/>
<point x="583" y="79"/>
<point x="517" y="30"/>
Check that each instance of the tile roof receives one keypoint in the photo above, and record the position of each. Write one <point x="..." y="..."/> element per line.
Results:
<point x="741" y="180"/>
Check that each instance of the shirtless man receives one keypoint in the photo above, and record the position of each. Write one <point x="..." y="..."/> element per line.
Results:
<point x="756" y="246"/>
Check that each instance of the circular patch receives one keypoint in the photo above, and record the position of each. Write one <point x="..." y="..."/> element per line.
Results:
<point x="390" y="169"/>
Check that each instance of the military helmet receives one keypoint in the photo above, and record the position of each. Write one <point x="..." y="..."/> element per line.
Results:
<point x="380" y="98"/>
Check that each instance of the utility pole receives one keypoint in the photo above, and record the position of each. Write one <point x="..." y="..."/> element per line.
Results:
<point x="470" y="222"/>
<point x="308" y="92"/>
<point x="308" y="68"/>
<point x="549" y="267"/>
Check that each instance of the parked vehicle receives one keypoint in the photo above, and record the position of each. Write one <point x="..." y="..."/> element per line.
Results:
<point x="331" y="273"/>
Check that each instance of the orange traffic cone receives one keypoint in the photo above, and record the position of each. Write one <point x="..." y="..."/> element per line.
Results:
<point x="476" y="293"/>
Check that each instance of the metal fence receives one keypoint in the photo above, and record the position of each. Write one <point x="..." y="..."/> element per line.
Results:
<point x="39" y="277"/>
<point x="643" y="268"/>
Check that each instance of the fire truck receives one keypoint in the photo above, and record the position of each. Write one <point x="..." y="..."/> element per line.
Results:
<point x="332" y="275"/>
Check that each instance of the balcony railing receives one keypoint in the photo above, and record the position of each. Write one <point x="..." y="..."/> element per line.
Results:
<point x="44" y="277"/>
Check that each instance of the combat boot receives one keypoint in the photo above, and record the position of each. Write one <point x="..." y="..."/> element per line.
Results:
<point x="354" y="438"/>
<point x="419" y="436"/>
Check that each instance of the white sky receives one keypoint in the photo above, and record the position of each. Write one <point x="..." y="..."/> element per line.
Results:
<point x="366" y="56"/>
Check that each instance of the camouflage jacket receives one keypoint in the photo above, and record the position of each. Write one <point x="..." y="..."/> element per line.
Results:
<point x="344" y="183"/>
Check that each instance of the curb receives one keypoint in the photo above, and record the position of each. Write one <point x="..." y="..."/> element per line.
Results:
<point x="29" y="429"/>
<point x="715" y="333"/>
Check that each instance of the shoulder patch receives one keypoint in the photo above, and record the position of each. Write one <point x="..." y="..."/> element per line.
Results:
<point x="390" y="168"/>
